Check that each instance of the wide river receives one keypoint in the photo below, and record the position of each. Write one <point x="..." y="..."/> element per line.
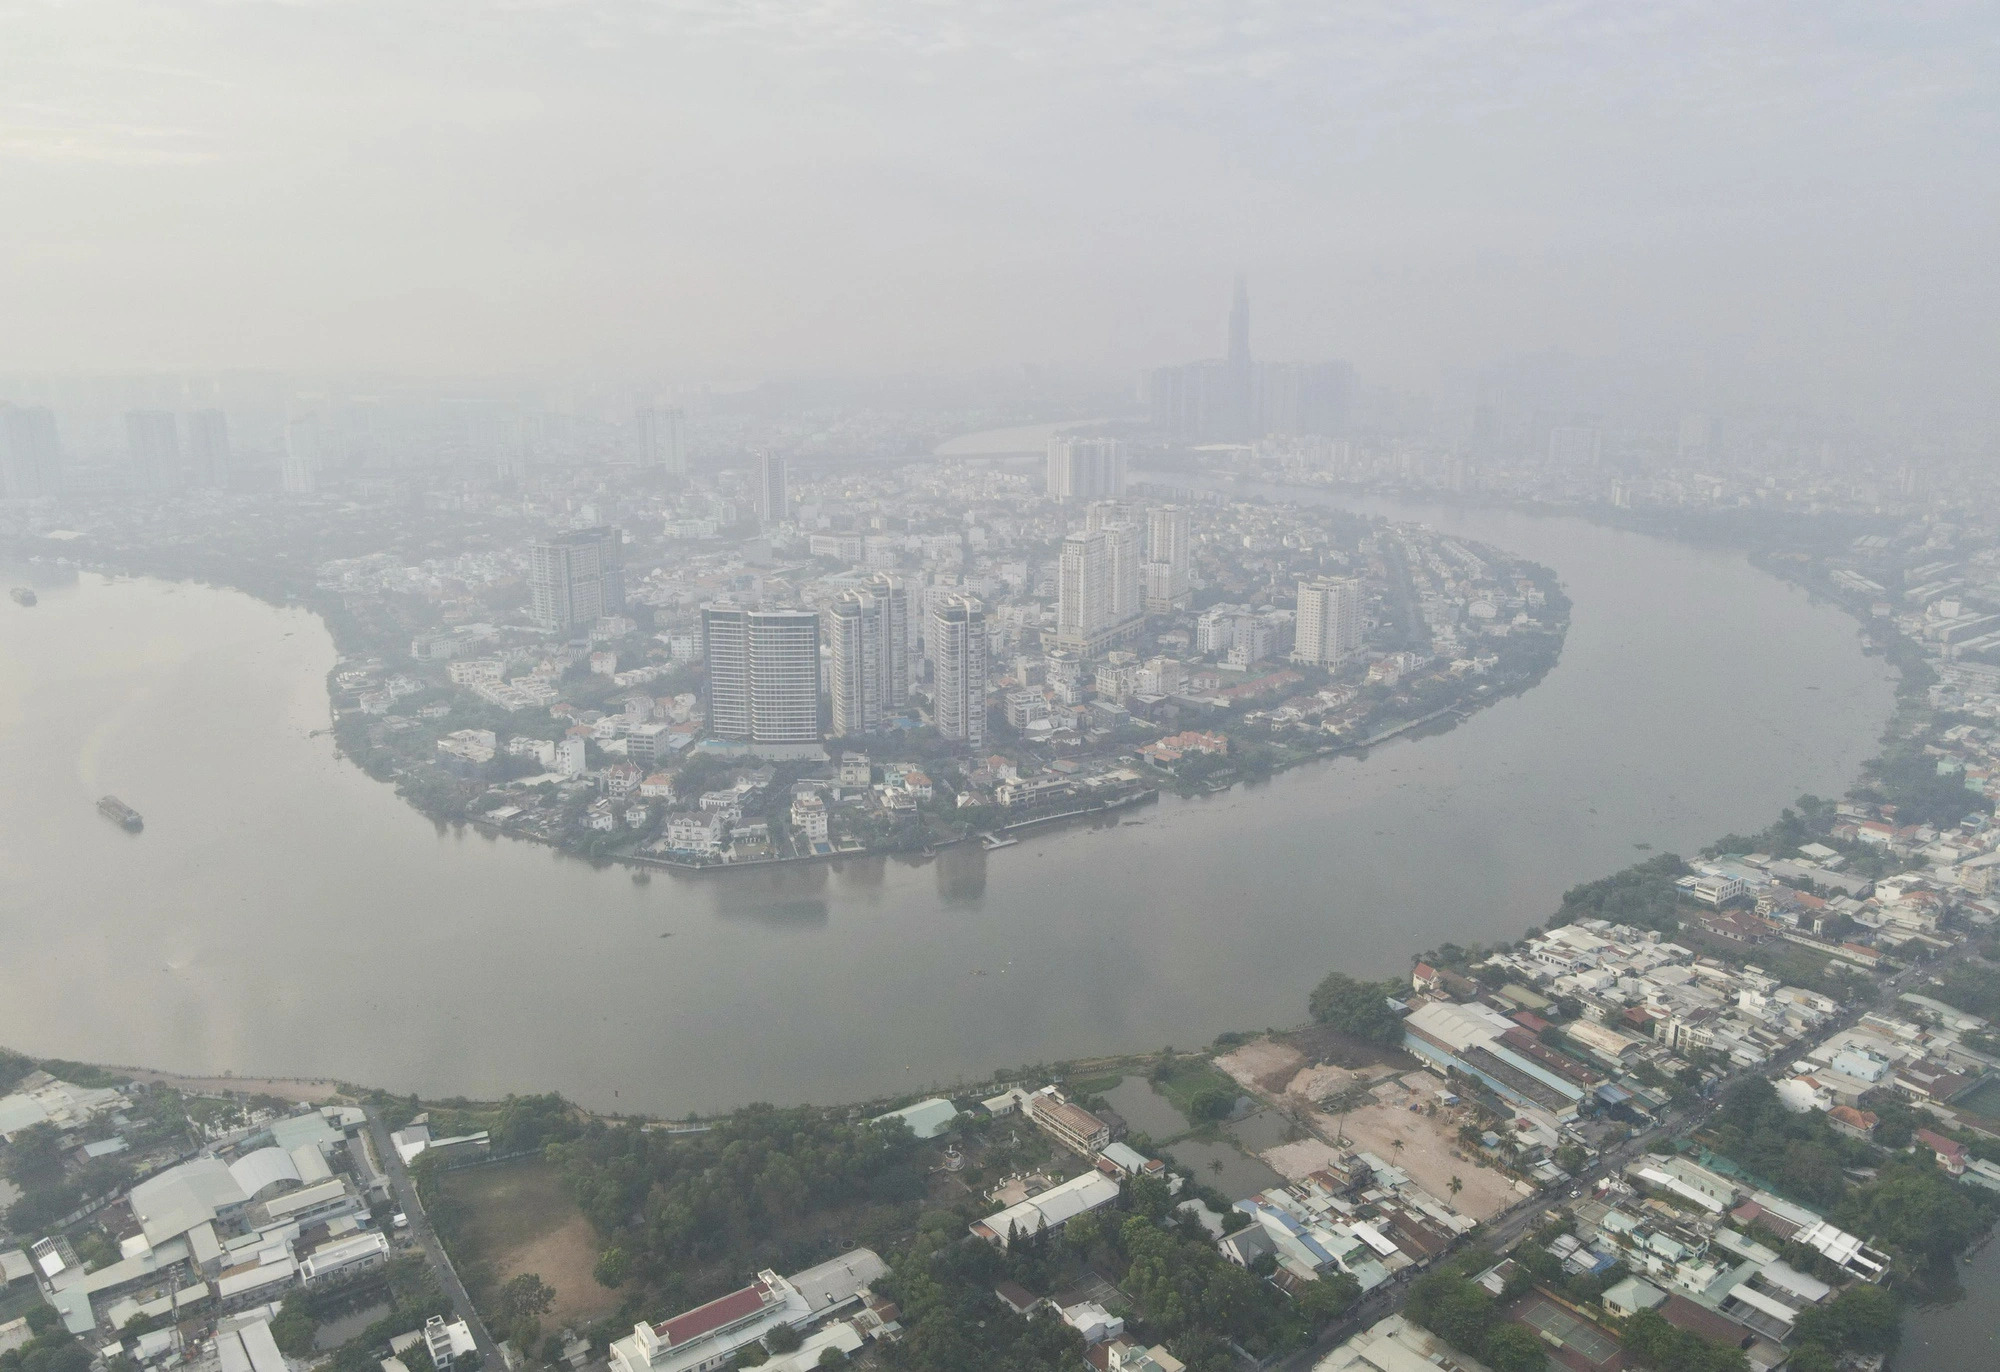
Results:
<point x="283" y="914"/>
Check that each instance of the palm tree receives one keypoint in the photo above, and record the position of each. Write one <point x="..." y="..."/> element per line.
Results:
<point x="1456" y="1186"/>
<point x="1397" y="1144"/>
<point x="1215" y="1165"/>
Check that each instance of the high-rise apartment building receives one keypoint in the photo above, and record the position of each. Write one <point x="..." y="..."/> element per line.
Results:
<point x="30" y="455"/>
<point x="1083" y="589"/>
<point x="153" y="445"/>
<point x="894" y="599"/>
<point x="1329" y="624"/>
<point x="1169" y="558"/>
<point x="576" y="578"/>
<point x="957" y="643"/>
<point x="1086" y="469"/>
<point x="854" y="664"/>
<point x="1100" y="592"/>
<point x="774" y="501"/>
<point x="663" y="439"/>
<point x="1123" y="563"/>
<point x="208" y="448"/>
<point x="299" y="473"/>
<point x="868" y="637"/>
<point x="763" y="678"/>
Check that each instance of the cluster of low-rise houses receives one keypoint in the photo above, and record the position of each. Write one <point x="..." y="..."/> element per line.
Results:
<point x="1159" y="678"/>
<point x="208" y="1242"/>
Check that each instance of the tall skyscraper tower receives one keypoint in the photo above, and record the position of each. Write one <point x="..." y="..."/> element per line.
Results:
<point x="1169" y="558"/>
<point x="894" y="598"/>
<point x="1123" y="558"/>
<point x="299" y="472"/>
<point x="854" y="664"/>
<point x="1328" y="629"/>
<point x="763" y="678"/>
<point x="208" y="448"/>
<point x="957" y="641"/>
<point x="152" y="441"/>
<point x="30" y="454"/>
<point x="1239" y="327"/>
<point x="868" y="651"/>
<point x="576" y="578"/>
<point x="774" y="502"/>
<point x="725" y="642"/>
<point x="1242" y="372"/>
<point x="663" y="439"/>
<point x="1086" y="469"/>
<point x="1083" y="589"/>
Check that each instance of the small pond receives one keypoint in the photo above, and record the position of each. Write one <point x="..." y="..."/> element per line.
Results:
<point x="1146" y="1111"/>
<point x="1240" y="1175"/>
<point x="341" y="1328"/>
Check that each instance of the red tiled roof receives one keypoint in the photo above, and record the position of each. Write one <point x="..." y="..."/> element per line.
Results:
<point x="706" y="1319"/>
<point x="1939" y="1144"/>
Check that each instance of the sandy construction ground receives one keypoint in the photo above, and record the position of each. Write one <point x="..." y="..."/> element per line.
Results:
<point x="1293" y="1161"/>
<point x="1431" y="1152"/>
<point x="1264" y="1065"/>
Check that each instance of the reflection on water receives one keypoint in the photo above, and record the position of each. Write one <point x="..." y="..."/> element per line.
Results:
<point x="1263" y="1129"/>
<point x="1225" y="1167"/>
<point x="1145" y="1109"/>
<point x="961" y="874"/>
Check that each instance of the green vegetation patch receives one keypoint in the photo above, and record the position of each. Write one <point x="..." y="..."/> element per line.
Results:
<point x="1197" y="1087"/>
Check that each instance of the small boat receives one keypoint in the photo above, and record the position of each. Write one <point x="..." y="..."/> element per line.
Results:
<point x="22" y="595"/>
<point x="116" y="810"/>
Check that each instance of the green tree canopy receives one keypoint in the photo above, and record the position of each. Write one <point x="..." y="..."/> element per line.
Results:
<point x="1359" y="1008"/>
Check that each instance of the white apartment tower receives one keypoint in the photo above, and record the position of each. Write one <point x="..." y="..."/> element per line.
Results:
<point x="894" y="597"/>
<point x="957" y="641"/>
<point x="663" y="439"/>
<point x="1085" y="469"/>
<point x="1083" y="588"/>
<point x="854" y="662"/>
<point x="1169" y="559"/>
<point x="763" y="677"/>
<point x="1126" y="559"/>
<point x="868" y="638"/>
<point x="577" y="578"/>
<point x="774" y="501"/>
<point x="153" y="443"/>
<point x="1329" y="627"/>
<point x="208" y="448"/>
<point x="300" y="472"/>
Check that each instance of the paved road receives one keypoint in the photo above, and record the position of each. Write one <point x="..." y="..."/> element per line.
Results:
<point x="1506" y="1229"/>
<point x="420" y="1230"/>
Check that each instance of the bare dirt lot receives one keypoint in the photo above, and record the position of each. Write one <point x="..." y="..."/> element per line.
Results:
<point x="1293" y="1161"/>
<point x="520" y="1219"/>
<point x="1263" y="1065"/>
<point x="1312" y="1063"/>
<point x="1431" y="1152"/>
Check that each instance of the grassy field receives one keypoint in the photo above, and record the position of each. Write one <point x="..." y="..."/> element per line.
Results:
<point x="1184" y="1078"/>
<point x="519" y="1218"/>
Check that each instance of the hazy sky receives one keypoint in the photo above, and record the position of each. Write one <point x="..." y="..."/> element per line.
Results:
<point x="711" y="188"/>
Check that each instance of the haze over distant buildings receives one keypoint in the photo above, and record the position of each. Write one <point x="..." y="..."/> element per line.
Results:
<point x="1724" y="197"/>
